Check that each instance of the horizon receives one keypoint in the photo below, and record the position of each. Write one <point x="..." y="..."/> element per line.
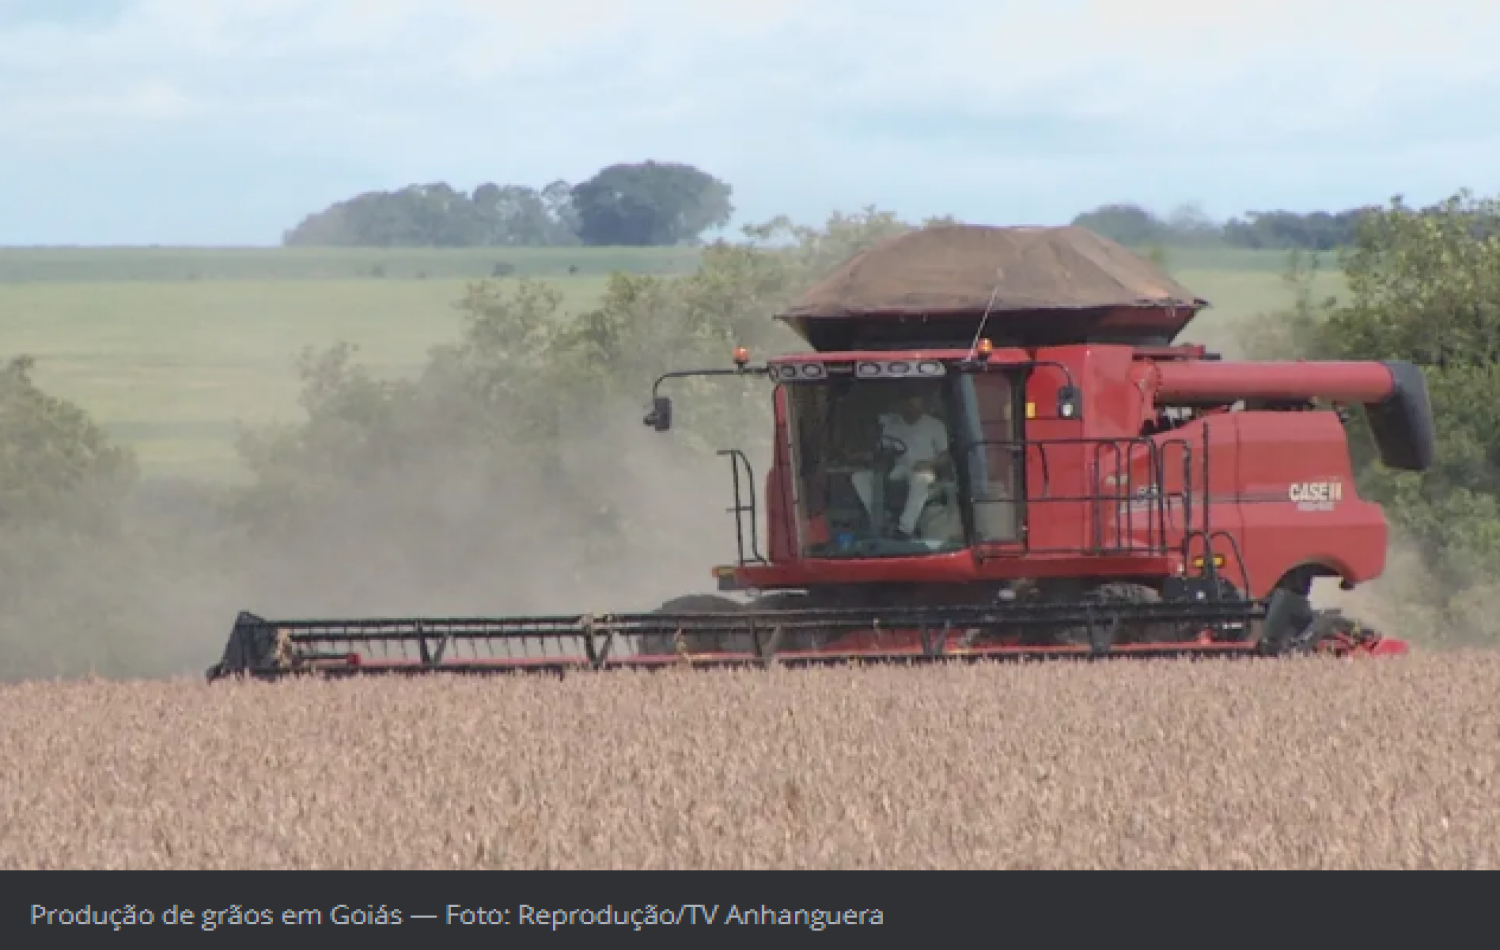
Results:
<point x="204" y="123"/>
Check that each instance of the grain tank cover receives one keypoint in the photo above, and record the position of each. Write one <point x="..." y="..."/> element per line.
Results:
<point x="1040" y="285"/>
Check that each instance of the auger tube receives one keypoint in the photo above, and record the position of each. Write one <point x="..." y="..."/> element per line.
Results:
<point x="1392" y="392"/>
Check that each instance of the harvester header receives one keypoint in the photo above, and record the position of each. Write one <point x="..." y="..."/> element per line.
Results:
<point x="995" y="447"/>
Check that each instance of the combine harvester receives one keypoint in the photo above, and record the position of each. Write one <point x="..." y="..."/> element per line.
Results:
<point x="994" y="450"/>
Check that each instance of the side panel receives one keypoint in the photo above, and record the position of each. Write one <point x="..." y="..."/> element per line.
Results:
<point x="1056" y="516"/>
<point x="1121" y="487"/>
<point x="1200" y="463"/>
<point x="1299" y="499"/>
<point x="1083" y="472"/>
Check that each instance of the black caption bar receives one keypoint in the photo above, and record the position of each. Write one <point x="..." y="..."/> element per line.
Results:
<point x="492" y="909"/>
<point x="460" y="909"/>
<point x="553" y="918"/>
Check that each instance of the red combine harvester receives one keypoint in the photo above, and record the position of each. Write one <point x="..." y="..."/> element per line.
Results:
<point x="993" y="450"/>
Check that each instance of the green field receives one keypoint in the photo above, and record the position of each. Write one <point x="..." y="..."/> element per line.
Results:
<point x="169" y="347"/>
<point x="27" y="265"/>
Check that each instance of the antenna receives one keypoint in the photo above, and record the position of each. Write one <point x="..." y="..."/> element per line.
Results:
<point x="999" y="276"/>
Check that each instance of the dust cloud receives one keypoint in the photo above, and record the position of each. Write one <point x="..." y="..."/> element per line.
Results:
<point x="628" y="519"/>
<point x="1394" y="603"/>
<point x="1409" y="601"/>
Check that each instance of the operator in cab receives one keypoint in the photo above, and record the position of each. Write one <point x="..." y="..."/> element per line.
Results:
<point x="919" y="441"/>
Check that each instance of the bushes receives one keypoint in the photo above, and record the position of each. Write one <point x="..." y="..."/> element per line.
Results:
<point x="64" y="536"/>
<point x="528" y="386"/>
<point x="56" y="465"/>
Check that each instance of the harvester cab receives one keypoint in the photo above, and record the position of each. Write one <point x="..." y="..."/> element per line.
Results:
<point x="993" y="448"/>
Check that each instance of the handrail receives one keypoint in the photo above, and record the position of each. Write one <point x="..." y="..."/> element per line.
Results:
<point x="739" y="509"/>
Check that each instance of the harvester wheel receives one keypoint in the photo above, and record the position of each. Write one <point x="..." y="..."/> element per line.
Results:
<point x="1115" y="593"/>
<point x="700" y="604"/>
<point x="666" y="644"/>
<point x="787" y="600"/>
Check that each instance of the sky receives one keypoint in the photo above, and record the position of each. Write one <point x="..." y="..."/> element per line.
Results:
<point x="224" y="122"/>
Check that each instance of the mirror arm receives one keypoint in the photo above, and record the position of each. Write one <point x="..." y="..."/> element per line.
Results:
<point x="685" y="373"/>
<point x="660" y="416"/>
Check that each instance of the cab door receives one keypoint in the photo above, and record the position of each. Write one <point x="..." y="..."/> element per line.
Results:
<point x="992" y="422"/>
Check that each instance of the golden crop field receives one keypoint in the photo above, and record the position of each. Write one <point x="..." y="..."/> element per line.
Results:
<point x="1230" y="764"/>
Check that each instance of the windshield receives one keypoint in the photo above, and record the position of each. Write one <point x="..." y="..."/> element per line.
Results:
<point x="875" y="472"/>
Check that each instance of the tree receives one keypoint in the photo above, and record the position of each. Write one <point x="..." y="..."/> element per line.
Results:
<point x="1189" y="225"/>
<point x="1128" y="224"/>
<point x="65" y="540"/>
<point x="558" y="200"/>
<point x="650" y="204"/>
<point x="438" y="215"/>
<point x="1283" y="230"/>
<point x="57" y="466"/>
<point x="512" y="215"/>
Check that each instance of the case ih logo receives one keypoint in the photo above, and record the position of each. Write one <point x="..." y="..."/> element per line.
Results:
<point x="1316" y="496"/>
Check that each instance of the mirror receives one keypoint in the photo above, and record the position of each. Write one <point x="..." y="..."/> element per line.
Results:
<point x="1069" y="402"/>
<point x="660" y="416"/>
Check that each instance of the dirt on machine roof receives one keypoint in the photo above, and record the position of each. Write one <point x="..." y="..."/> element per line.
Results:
<point x="962" y="269"/>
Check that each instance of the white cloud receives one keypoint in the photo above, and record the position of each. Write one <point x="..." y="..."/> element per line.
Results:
<point x="833" y="92"/>
<point x="1157" y="64"/>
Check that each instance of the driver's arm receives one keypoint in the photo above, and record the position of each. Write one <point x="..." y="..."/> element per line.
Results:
<point x="941" y="456"/>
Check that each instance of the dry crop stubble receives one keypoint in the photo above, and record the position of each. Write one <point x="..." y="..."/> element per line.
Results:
<point x="1277" y="764"/>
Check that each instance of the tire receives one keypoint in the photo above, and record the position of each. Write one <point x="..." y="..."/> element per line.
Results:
<point x="1122" y="593"/>
<point x="664" y="644"/>
<point x="782" y="600"/>
<point x="700" y="604"/>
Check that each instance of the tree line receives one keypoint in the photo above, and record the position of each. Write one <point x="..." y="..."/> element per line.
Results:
<point x="652" y="203"/>
<point x="1135" y="226"/>
<point x="643" y="204"/>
